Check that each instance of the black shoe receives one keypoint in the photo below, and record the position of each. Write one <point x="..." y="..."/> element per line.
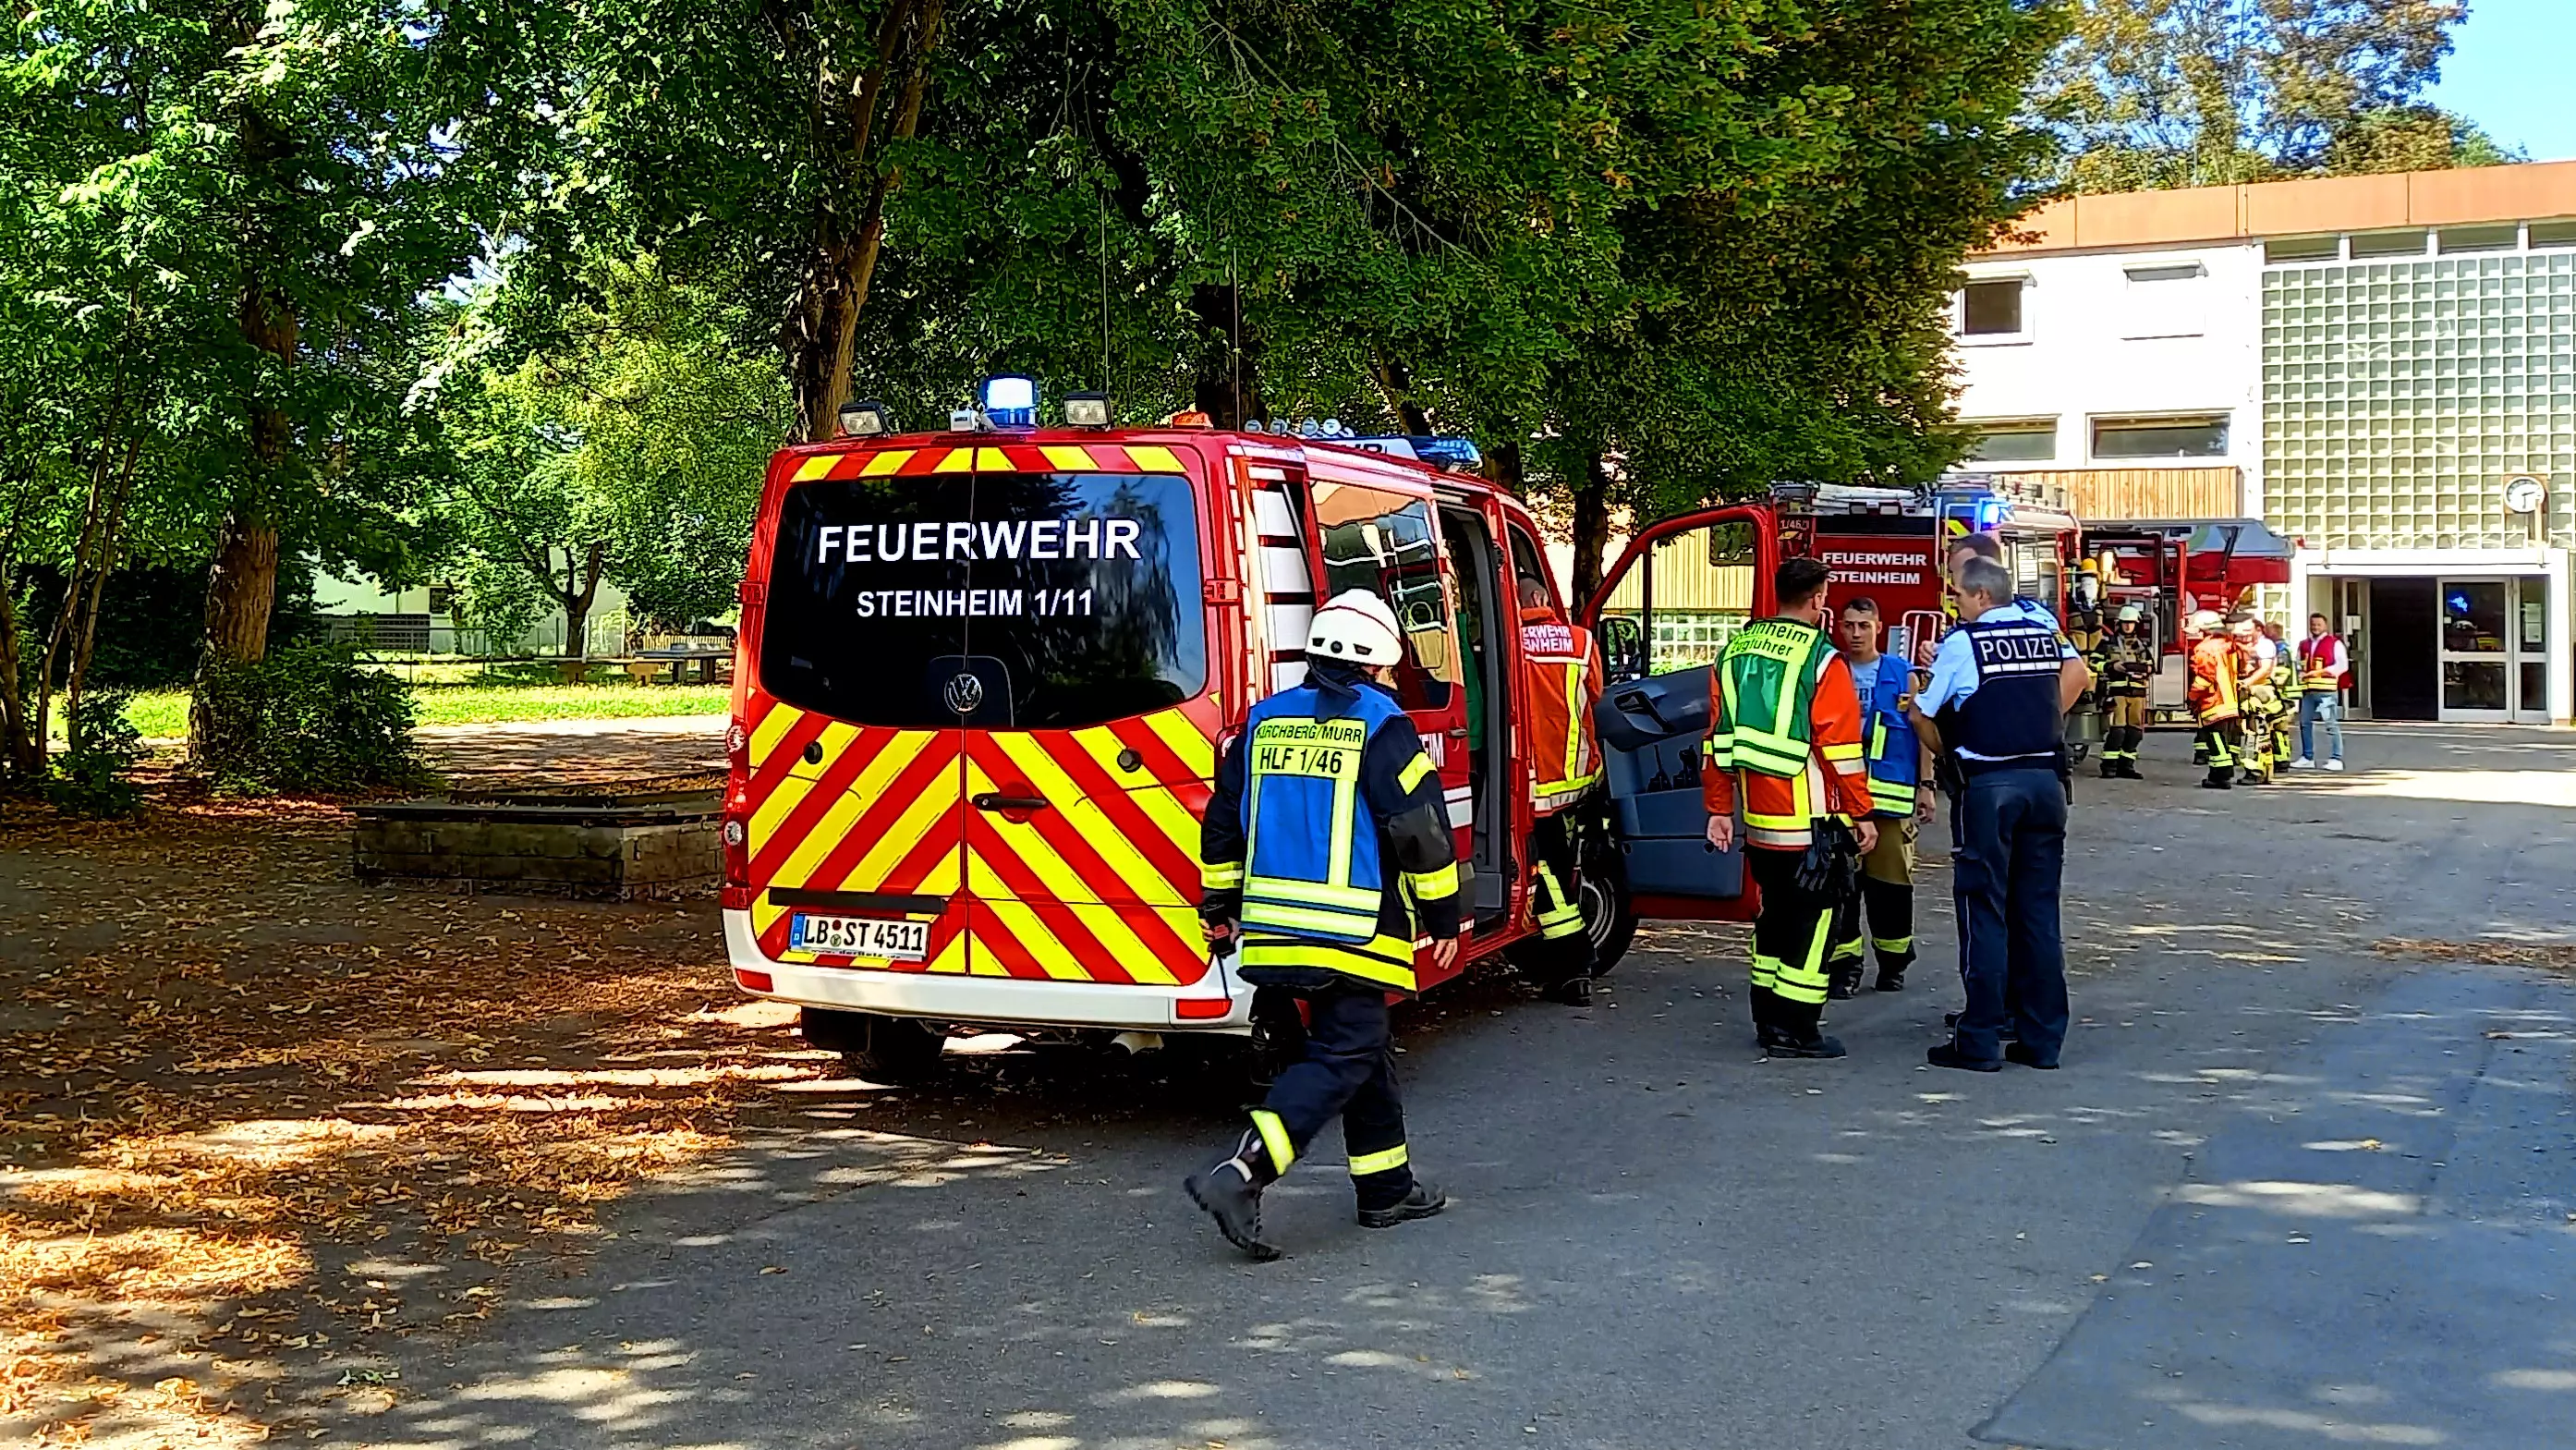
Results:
<point x="2007" y="1032"/>
<point x="1811" y="1047"/>
<point x="1947" y="1054"/>
<point x="1891" y="979"/>
<point x="1229" y="1197"/>
<point x="2110" y="770"/>
<point x="1423" y="1202"/>
<point x="2131" y="772"/>
<point x="1845" y="985"/>
<point x="1576" y="992"/>
<point x="2015" y="1052"/>
<point x="2214" y="784"/>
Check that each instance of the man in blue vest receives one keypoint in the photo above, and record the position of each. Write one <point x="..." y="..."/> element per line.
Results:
<point x="1996" y="702"/>
<point x="1900" y="798"/>
<point x="1327" y="848"/>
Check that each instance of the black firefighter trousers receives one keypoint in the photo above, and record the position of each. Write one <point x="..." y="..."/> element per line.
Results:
<point x="1348" y="1071"/>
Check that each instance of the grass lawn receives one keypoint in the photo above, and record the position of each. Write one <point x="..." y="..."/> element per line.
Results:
<point x="162" y="714"/>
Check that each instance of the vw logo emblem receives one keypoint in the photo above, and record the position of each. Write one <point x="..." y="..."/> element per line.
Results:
<point x="965" y="693"/>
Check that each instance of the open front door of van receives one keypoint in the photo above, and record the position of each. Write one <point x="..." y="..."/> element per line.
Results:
<point x="1662" y="614"/>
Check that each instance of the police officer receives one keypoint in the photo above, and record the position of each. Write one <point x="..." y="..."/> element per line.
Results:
<point x="1900" y="797"/>
<point x="1997" y="702"/>
<point x="1786" y="746"/>
<point x="1561" y="679"/>
<point x="2126" y="664"/>
<point x="1327" y="847"/>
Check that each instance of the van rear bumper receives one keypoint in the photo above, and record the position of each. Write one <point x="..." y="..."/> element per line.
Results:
<point x="999" y="1001"/>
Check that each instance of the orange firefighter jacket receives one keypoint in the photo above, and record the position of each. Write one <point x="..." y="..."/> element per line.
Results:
<point x="1779" y="810"/>
<point x="1560" y="682"/>
<point x="2214" y="666"/>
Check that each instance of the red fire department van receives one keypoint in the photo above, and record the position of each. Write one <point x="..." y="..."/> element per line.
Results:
<point x="984" y="675"/>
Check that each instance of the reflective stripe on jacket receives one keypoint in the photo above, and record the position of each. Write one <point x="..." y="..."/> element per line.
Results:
<point x="1829" y="777"/>
<point x="1894" y="753"/>
<point x="1561" y="679"/>
<point x="1326" y="837"/>
<point x="1766" y="688"/>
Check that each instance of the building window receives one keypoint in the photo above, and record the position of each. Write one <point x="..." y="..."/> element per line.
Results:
<point x="2165" y="300"/>
<point x="2553" y="234"/>
<point x="2028" y="440"/>
<point x="2303" y="249"/>
<point x="2388" y="244"/>
<point x="2128" y="438"/>
<point x="2478" y="239"/>
<point x="1992" y="309"/>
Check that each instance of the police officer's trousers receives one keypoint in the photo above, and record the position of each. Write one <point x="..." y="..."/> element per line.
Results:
<point x="2005" y="875"/>
<point x="1886" y="900"/>
<point x="1563" y="951"/>
<point x="1348" y="1071"/>
<point x="1790" y="936"/>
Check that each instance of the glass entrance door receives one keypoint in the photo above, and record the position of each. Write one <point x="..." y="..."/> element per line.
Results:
<point x="2531" y="650"/>
<point x="2477" y="649"/>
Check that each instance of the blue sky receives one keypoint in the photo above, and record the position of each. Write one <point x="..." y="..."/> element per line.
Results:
<point x="2512" y="69"/>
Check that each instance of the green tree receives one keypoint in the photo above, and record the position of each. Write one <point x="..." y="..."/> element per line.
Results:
<point x="619" y="437"/>
<point x="2166" y="93"/>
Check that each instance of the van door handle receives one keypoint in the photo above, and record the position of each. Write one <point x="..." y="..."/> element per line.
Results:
<point x="996" y="801"/>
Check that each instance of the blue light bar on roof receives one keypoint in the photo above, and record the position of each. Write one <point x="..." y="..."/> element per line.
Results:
<point x="1011" y="401"/>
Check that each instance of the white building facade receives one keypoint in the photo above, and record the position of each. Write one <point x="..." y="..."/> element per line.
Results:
<point x="2382" y="369"/>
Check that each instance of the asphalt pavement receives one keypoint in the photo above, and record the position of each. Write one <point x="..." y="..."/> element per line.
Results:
<point x="2293" y="1188"/>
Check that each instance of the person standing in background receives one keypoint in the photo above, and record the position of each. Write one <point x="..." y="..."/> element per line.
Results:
<point x="1900" y="789"/>
<point x="1786" y="746"/>
<point x="2212" y="697"/>
<point x="2324" y="667"/>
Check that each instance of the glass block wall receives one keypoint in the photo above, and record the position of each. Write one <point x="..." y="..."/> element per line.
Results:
<point x="2398" y="395"/>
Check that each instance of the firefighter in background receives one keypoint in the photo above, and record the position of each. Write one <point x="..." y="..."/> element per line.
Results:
<point x="2261" y="705"/>
<point x="1561" y="679"/>
<point x="2126" y="664"/>
<point x="2212" y="696"/>
<point x="1900" y="794"/>
<point x="1327" y="847"/>
<point x="1786" y="745"/>
<point x="2084" y="610"/>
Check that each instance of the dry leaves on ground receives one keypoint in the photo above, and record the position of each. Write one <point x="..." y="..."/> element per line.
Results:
<point x="256" y="1116"/>
<point x="2549" y="956"/>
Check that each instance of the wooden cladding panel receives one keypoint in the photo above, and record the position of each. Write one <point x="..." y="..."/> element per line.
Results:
<point x="2151" y="493"/>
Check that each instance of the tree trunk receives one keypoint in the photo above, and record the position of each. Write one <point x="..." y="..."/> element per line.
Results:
<point x="1228" y="383"/>
<point x="1395" y="381"/>
<point x="1591" y="527"/>
<point x="1508" y="468"/>
<point x="821" y="332"/>
<point x="577" y="599"/>
<point x="22" y="757"/>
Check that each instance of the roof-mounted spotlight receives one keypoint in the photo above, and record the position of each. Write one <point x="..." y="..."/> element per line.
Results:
<point x="966" y="420"/>
<point x="1086" y="410"/>
<point x="867" y="418"/>
<point x="1011" y="401"/>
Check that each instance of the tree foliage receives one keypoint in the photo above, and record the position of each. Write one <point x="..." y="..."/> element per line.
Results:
<point x="2167" y="93"/>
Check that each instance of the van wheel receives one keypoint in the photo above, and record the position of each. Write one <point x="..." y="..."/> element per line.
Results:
<point x="1609" y="916"/>
<point x="895" y="1050"/>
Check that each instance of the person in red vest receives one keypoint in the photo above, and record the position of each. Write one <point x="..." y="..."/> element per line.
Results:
<point x="1561" y="679"/>
<point x="2324" y="668"/>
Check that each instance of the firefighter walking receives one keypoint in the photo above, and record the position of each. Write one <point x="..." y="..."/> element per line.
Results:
<point x="1901" y="799"/>
<point x="2212" y="698"/>
<point x="1786" y="746"/>
<point x="1561" y="675"/>
<point x="2126" y="663"/>
<point x="1326" y="846"/>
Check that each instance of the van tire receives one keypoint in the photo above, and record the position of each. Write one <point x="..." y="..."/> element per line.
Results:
<point x="1609" y="913"/>
<point x="891" y="1050"/>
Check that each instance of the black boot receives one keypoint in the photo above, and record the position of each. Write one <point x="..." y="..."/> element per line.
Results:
<point x="2129" y="771"/>
<point x="1845" y="982"/>
<point x="2219" y="778"/>
<point x="2110" y="768"/>
<point x="1890" y="979"/>
<point x="1423" y="1202"/>
<point x="1572" y="992"/>
<point x="1945" y="1054"/>
<point x="1231" y="1193"/>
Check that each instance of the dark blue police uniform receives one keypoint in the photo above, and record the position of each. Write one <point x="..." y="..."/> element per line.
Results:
<point x="1994" y="696"/>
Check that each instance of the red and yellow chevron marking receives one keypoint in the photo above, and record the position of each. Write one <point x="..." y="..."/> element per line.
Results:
<point x="1101" y="887"/>
<point x="993" y="458"/>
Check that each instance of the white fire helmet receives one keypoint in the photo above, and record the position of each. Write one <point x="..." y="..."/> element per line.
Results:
<point x="2132" y="613"/>
<point x="1354" y="625"/>
<point x="2206" y="621"/>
